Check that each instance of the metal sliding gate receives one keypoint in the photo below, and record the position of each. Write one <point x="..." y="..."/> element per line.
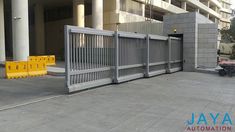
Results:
<point x="99" y="57"/>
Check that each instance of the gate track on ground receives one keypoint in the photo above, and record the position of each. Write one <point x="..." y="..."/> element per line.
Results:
<point x="8" y="107"/>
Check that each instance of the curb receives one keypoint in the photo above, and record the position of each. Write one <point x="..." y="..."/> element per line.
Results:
<point x="206" y="71"/>
<point x="55" y="73"/>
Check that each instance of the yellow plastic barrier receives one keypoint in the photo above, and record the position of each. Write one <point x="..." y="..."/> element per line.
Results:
<point x="16" y="70"/>
<point x="50" y="60"/>
<point x="36" y="68"/>
<point x="32" y="58"/>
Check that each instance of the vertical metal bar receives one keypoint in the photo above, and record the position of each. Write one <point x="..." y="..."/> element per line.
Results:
<point x="116" y="57"/>
<point x="82" y="65"/>
<point x="147" y="56"/>
<point x="74" y="56"/>
<point x="79" y="54"/>
<point x="97" y="55"/>
<point x="101" y="55"/>
<point x="86" y="57"/>
<point x="104" y="47"/>
<point x="77" y="40"/>
<point x="89" y="46"/>
<point x="100" y="51"/>
<point x="71" y="56"/>
<point x="169" y="56"/>
<point x="93" y="56"/>
<point x="97" y="59"/>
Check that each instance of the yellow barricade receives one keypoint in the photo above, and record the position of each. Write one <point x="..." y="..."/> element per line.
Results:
<point x="50" y="60"/>
<point x="36" y="68"/>
<point x="16" y="70"/>
<point x="32" y="58"/>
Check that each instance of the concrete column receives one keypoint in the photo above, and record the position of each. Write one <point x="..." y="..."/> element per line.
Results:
<point x="208" y="15"/>
<point x="118" y="6"/>
<point x="208" y="3"/>
<point x="216" y="20"/>
<point x="79" y="13"/>
<point x="2" y="34"/>
<point x="97" y="14"/>
<point x="143" y="10"/>
<point x="197" y="10"/>
<point x="184" y="5"/>
<point x="216" y="9"/>
<point x="39" y="29"/>
<point x="20" y="29"/>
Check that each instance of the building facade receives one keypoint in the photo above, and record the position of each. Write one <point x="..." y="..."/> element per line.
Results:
<point x="35" y="27"/>
<point x="226" y="14"/>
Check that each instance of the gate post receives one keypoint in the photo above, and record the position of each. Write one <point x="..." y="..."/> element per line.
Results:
<point x="116" y="75"/>
<point x="169" y="56"/>
<point x="147" y="56"/>
<point x="66" y="54"/>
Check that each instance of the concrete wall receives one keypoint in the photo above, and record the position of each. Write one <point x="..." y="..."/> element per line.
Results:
<point x="207" y="45"/>
<point x="142" y="27"/>
<point x="184" y="24"/>
<point x="188" y="25"/>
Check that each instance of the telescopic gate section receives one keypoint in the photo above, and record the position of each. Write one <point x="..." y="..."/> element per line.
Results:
<point x="89" y="58"/>
<point x="98" y="57"/>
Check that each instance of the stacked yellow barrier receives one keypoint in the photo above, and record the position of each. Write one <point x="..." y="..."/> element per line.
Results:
<point x="15" y="70"/>
<point x="32" y="58"/>
<point x="35" y="66"/>
<point x="49" y="60"/>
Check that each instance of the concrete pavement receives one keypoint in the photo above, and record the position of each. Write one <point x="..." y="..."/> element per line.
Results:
<point x="21" y="91"/>
<point x="159" y="104"/>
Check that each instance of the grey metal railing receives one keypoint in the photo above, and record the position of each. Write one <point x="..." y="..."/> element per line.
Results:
<point x="99" y="57"/>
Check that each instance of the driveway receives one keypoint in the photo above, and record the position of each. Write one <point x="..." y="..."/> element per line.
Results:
<point x="158" y="104"/>
<point x="22" y="91"/>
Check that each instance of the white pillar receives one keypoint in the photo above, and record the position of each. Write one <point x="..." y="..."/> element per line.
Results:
<point x="118" y="6"/>
<point x="39" y="29"/>
<point x="208" y="3"/>
<point x="216" y="9"/>
<point x="79" y="13"/>
<point x="20" y="30"/>
<point x="2" y="34"/>
<point x="97" y="14"/>
<point x="184" y="5"/>
<point x="197" y="10"/>
<point x="143" y="10"/>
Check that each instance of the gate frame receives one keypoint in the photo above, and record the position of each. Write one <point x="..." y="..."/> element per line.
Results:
<point x="116" y="67"/>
